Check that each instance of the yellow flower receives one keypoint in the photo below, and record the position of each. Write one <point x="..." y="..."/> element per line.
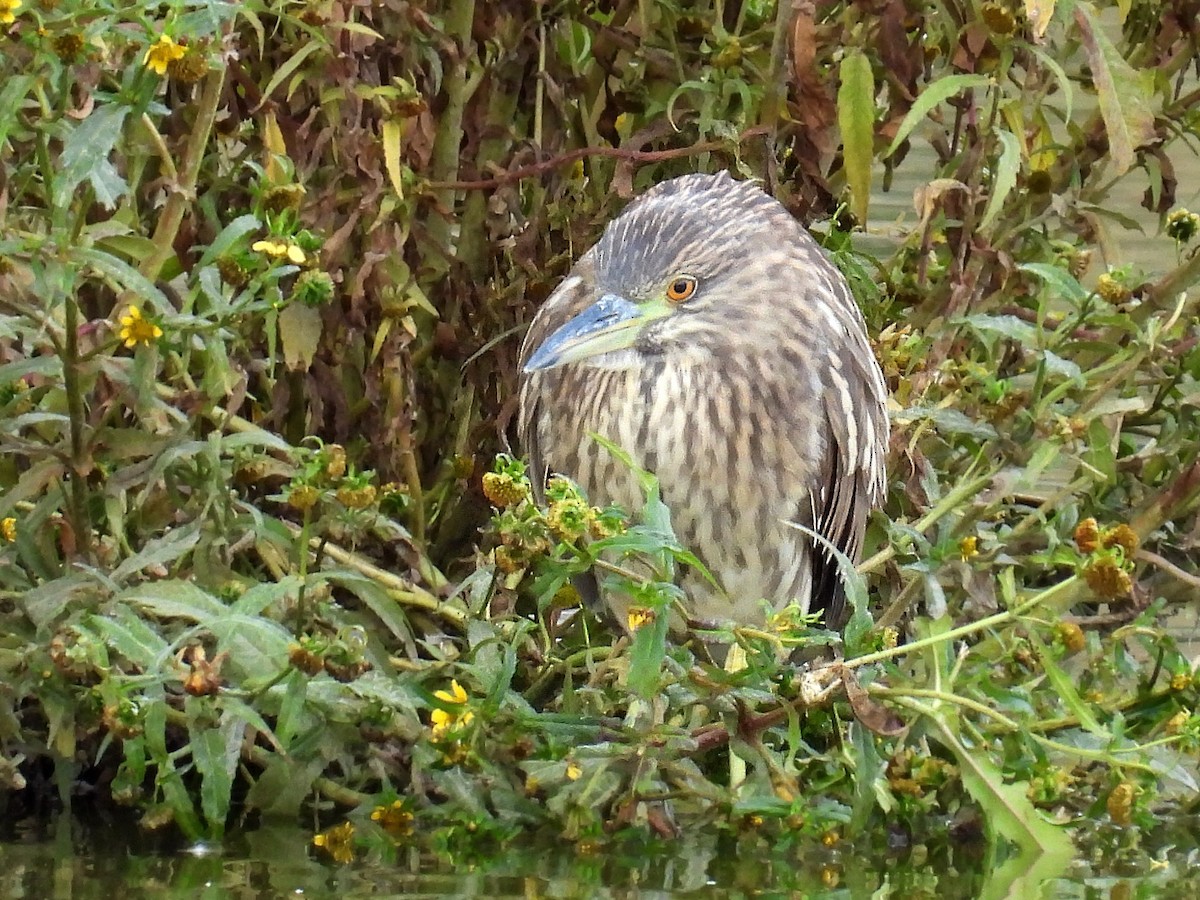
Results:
<point x="337" y="842"/>
<point x="161" y="53"/>
<point x="968" y="547"/>
<point x="280" y="250"/>
<point x="8" y="527"/>
<point x="395" y="819"/>
<point x="137" y="330"/>
<point x="638" y="616"/>
<point x="574" y="770"/>
<point x="443" y="720"/>
<point x="7" y="8"/>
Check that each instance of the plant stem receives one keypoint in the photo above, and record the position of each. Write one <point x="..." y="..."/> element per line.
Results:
<point x="950" y="502"/>
<point x="185" y="187"/>
<point x="963" y="630"/>
<point x="80" y="523"/>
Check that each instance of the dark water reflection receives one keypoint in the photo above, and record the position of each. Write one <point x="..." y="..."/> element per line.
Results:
<point x="67" y="859"/>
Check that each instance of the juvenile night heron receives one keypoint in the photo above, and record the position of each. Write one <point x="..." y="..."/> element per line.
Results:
<point x="708" y="336"/>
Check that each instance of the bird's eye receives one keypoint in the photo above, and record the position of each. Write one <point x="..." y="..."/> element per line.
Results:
<point x="681" y="288"/>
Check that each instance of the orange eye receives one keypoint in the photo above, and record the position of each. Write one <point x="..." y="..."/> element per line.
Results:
<point x="681" y="288"/>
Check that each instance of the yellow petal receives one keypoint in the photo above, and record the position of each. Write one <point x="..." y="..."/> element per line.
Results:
<point x="295" y="254"/>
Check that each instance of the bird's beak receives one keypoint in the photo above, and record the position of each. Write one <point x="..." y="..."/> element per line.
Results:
<point x="611" y="323"/>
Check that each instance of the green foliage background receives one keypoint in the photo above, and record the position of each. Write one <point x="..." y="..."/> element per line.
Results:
<point x="263" y="274"/>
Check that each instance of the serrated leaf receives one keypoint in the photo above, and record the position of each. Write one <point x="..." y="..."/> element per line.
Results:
<point x="165" y="549"/>
<point x="1125" y="93"/>
<point x="257" y="648"/>
<point x="175" y="599"/>
<point x="1005" y="177"/>
<point x="215" y="752"/>
<point x="130" y="636"/>
<point x="1059" y="278"/>
<point x="934" y="95"/>
<point x="46" y="602"/>
<point x="1044" y="848"/>
<point x="86" y="147"/>
<point x="856" y="121"/>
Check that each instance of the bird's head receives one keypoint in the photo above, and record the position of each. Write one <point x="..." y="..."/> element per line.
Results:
<point x="686" y="266"/>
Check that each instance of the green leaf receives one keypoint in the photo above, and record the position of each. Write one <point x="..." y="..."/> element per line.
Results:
<point x="257" y="648"/>
<point x="15" y="88"/>
<point x="1099" y="454"/>
<point x="293" y="63"/>
<point x="229" y="236"/>
<point x="166" y="549"/>
<point x="1125" y="94"/>
<point x="46" y="602"/>
<point x="293" y="717"/>
<point x="1060" y="77"/>
<point x="125" y="275"/>
<point x="85" y="153"/>
<point x="1009" y="327"/>
<point x="646" y="656"/>
<point x="941" y="90"/>
<point x="377" y="600"/>
<point x="948" y="421"/>
<point x="856" y="120"/>
<point x="1005" y="177"/>
<point x="1064" y="687"/>
<point x="175" y="599"/>
<point x="282" y="787"/>
<point x="130" y="636"/>
<point x="177" y="798"/>
<point x="1044" y="849"/>
<point x="1059" y="279"/>
<point x="215" y="752"/>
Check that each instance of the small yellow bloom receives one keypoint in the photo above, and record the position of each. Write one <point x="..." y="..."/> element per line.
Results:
<point x="7" y="10"/>
<point x="443" y="720"/>
<point x="137" y="330"/>
<point x="574" y="770"/>
<point x="337" y="842"/>
<point x="968" y="547"/>
<point x="395" y="819"/>
<point x="280" y="250"/>
<point x="638" y="616"/>
<point x="8" y="526"/>
<point x="160" y="54"/>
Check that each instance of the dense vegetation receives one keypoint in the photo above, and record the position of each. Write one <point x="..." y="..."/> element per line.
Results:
<point x="264" y="269"/>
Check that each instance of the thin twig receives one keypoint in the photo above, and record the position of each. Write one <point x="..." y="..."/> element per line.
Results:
<point x="565" y="159"/>
<point x="1169" y="567"/>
